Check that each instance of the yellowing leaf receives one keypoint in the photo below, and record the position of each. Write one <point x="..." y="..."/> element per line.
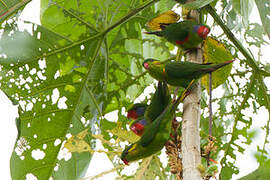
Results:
<point x="76" y="78"/>
<point x="70" y="88"/>
<point x="168" y="17"/>
<point x="77" y="144"/>
<point x="124" y="135"/>
<point x="65" y="68"/>
<point x="215" y="52"/>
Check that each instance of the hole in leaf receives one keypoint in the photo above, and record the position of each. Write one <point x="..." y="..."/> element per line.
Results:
<point x="44" y="146"/>
<point x="38" y="154"/>
<point x="57" y="142"/>
<point x="31" y="176"/>
<point x="62" y="103"/>
<point x="55" y="96"/>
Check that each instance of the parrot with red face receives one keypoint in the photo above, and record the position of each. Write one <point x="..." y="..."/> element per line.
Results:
<point x="142" y="115"/>
<point x="136" y="111"/>
<point x="185" y="34"/>
<point x="155" y="136"/>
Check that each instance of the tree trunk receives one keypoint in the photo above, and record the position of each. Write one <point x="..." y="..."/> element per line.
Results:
<point x="191" y="123"/>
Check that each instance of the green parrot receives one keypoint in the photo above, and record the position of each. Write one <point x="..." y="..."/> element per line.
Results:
<point x="144" y="115"/>
<point x="181" y="1"/>
<point x="159" y="102"/>
<point x="185" y="34"/>
<point x="155" y="136"/>
<point x="180" y="73"/>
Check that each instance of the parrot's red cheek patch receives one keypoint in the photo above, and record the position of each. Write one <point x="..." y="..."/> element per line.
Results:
<point x="203" y="31"/>
<point x="132" y="114"/>
<point x="146" y="65"/>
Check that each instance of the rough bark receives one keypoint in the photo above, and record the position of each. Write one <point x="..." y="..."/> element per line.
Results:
<point x="190" y="124"/>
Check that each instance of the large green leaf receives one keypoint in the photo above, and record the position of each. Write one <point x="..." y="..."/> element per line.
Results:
<point x="197" y="4"/>
<point x="61" y="75"/>
<point x="85" y="62"/>
<point x="51" y="103"/>
<point x="215" y="52"/>
<point x="264" y="10"/>
<point x="9" y="7"/>
<point x="262" y="172"/>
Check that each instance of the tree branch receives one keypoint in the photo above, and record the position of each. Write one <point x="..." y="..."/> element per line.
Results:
<point x="190" y="123"/>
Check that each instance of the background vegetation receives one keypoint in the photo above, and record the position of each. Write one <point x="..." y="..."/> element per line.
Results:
<point x="84" y="61"/>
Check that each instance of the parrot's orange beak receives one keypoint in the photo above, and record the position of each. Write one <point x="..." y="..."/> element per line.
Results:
<point x="156" y="62"/>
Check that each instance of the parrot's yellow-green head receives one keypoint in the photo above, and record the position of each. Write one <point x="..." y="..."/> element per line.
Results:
<point x="148" y="62"/>
<point x="156" y="69"/>
<point x="130" y="154"/>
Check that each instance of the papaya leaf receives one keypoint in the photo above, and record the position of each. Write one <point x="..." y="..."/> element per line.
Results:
<point x="76" y="143"/>
<point x="51" y="104"/>
<point x="256" y="32"/>
<point x="215" y="52"/>
<point x="262" y="172"/>
<point x="164" y="5"/>
<point x="264" y="9"/>
<point x="124" y="135"/>
<point x="197" y="4"/>
<point x="149" y="168"/>
<point x="167" y="17"/>
<point x="10" y="7"/>
<point x="236" y="6"/>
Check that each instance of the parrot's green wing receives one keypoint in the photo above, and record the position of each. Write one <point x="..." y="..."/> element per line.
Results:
<point x="186" y="70"/>
<point x="159" y="102"/>
<point x="176" y="31"/>
<point x="150" y="132"/>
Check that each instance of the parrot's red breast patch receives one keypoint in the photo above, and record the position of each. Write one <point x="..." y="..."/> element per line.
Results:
<point x="180" y="42"/>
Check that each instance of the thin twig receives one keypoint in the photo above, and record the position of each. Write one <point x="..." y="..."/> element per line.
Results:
<point x="210" y="115"/>
<point x="104" y="173"/>
<point x="210" y="105"/>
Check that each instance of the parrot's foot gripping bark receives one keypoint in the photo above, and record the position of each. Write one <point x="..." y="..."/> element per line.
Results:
<point x="187" y="91"/>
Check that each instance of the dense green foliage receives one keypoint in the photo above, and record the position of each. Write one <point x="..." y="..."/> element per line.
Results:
<point x="84" y="61"/>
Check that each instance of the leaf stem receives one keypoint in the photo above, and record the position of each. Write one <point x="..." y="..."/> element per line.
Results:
<point x="129" y="15"/>
<point x="93" y="99"/>
<point x="77" y="17"/>
<point x="231" y="36"/>
<point x="264" y="89"/>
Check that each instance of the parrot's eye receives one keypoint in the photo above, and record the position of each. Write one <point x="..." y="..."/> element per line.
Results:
<point x="146" y="65"/>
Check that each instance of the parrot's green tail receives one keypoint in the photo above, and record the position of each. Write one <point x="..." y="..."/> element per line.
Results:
<point x="157" y="33"/>
<point x="217" y="66"/>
